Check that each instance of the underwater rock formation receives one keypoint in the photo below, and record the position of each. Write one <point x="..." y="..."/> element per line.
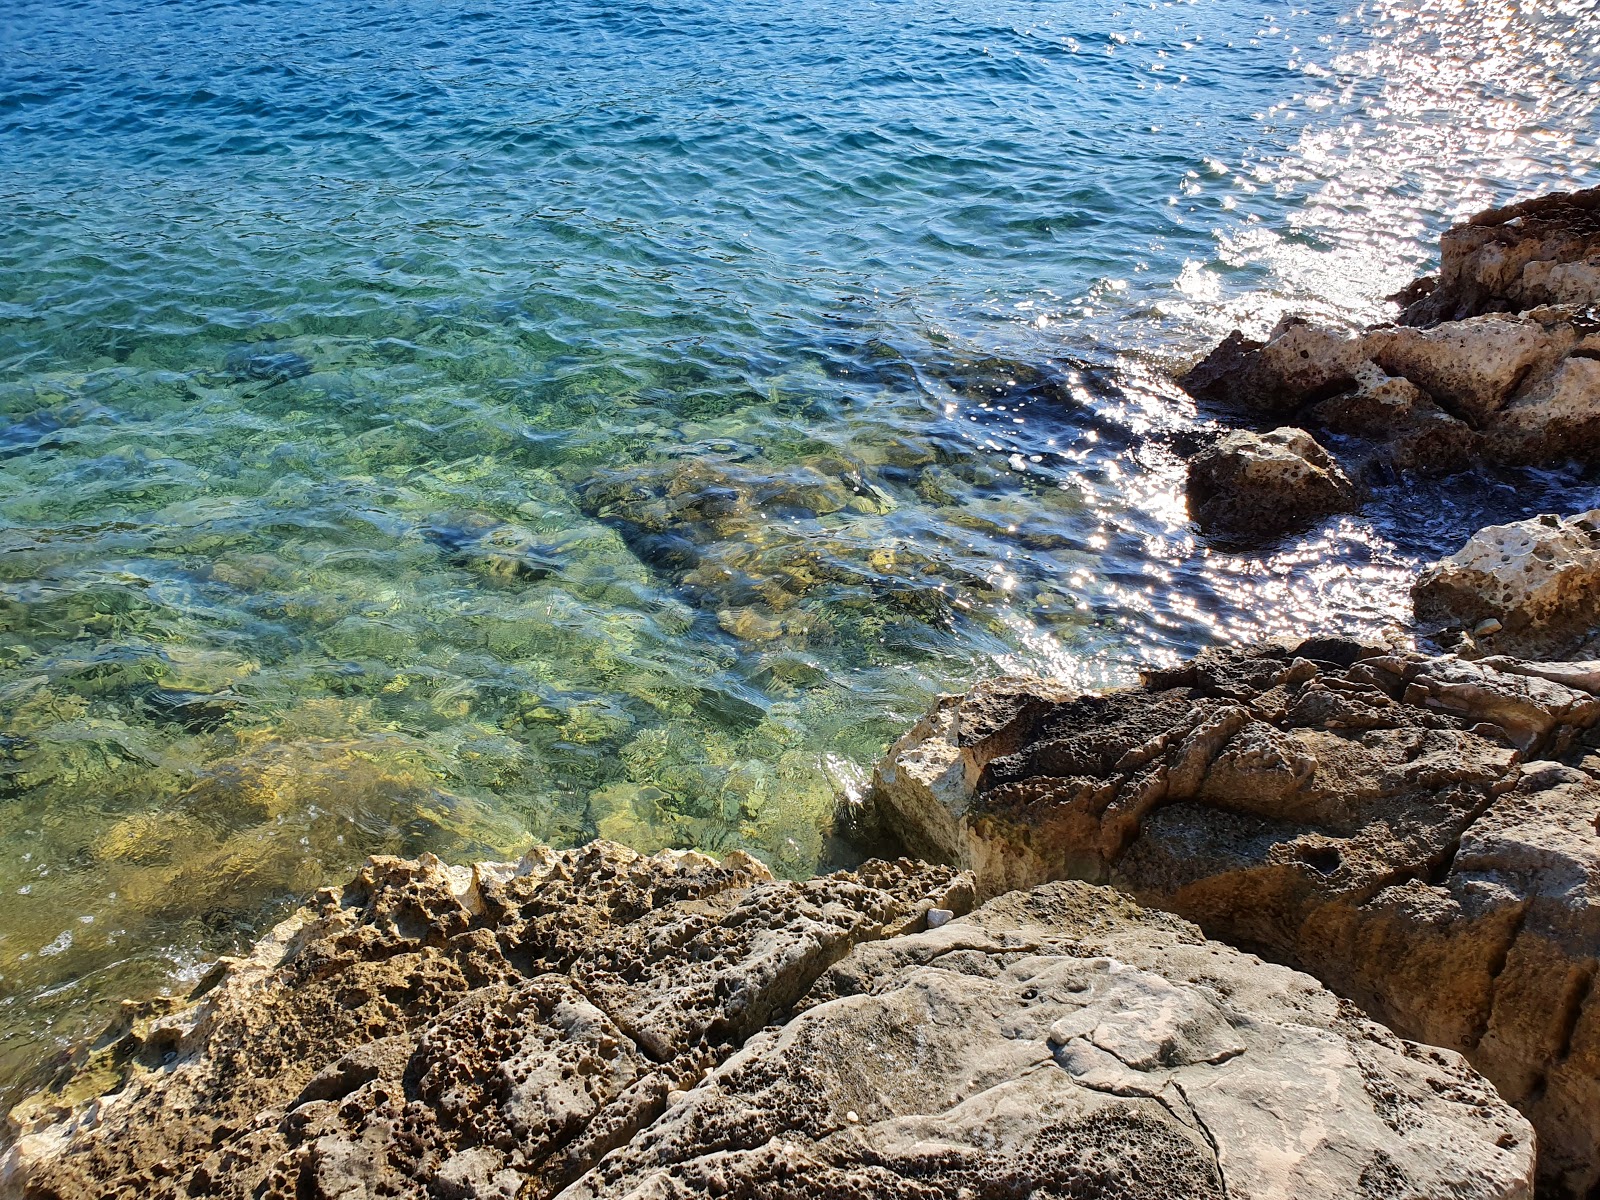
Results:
<point x="1418" y="833"/>
<point x="1530" y="588"/>
<point x="596" y="1023"/>
<point x="1496" y="360"/>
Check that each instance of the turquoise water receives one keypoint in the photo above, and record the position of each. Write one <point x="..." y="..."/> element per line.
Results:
<point x="442" y="426"/>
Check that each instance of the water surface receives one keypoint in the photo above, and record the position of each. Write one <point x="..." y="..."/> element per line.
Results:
<point x="444" y="426"/>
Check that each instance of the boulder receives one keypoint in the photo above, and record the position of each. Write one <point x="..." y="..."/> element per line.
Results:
<point x="1253" y="484"/>
<point x="1300" y="363"/>
<point x="1530" y="589"/>
<point x="597" y="1023"/>
<point x="1372" y="817"/>
<point x="1065" y="1042"/>
<point x="1541" y="251"/>
<point x="1414" y="432"/>
<point x="1500" y="356"/>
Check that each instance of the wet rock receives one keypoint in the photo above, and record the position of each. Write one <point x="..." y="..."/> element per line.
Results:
<point x="1251" y="484"/>
<point x="1417" y="434"/>
<point x="1299" y="364"/>
<point x="1539" y="579"/>
<point x="432" y="1030"/>
<point x="1065" y="1042"/>
<point x="1318" y="803"/>
<point x="771" y="550"/>
<point x="266" y="361"/>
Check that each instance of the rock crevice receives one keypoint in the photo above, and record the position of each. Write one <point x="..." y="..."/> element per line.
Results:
<point x="1419" y="833"/>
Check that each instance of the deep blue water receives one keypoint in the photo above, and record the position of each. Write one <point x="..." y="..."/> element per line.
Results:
<point x="438" y="426"/>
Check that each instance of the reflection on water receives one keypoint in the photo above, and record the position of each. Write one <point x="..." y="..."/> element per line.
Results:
<point x="428" y="430"/>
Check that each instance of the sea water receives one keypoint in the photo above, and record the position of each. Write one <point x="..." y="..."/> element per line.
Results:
<point x="445" y="426"/>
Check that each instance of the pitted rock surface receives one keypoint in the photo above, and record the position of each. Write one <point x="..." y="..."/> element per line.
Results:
<point x="1066" y="1043"/>
<point x="1531" y="588"/>
<point x="1251" y="483"/>
<point x="1497" y="361"/>
<point x="596" y="1023"/>
<point x="1419" y="833"/>
<point x="439" y="1031"/>
<point x="1542" y="251"/>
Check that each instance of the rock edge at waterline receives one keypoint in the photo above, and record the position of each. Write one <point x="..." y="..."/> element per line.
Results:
<point x="600" y="1024"/>
<point x="1420" y="833"/>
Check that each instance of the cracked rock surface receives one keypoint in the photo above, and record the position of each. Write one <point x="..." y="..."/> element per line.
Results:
<point x="1496" y="360"/>
<point x="455" y="1032"/>
<point x="1418" y="833"/>
<point x="596" y="1023"/>
<point x="1064" y="1042"/>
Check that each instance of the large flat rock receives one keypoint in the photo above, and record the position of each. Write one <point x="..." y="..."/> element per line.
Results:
<point x="1419" y="833"/>
<point x="596" y="1023"/>
<point x="1064" y="1042"/>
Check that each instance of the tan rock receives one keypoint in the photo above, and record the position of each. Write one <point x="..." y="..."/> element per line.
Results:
<point x="1065" y="1042"/>
<point x="1470" y="367"/>
<point x="1540" y="251"/>
<point x="1251" y="484"/>
<point x="1539" y="578"/>
<point x="1354" y="813"/>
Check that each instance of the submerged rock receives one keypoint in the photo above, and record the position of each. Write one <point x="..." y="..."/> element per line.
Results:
<point x="595" y="1023"/>
<point x="1418" y="833"/>
<point x="1253" y="484"/>
<point x="1531" y="588"/>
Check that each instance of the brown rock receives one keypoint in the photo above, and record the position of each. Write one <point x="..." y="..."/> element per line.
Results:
<point x="1257" y="484"/>
<point x="1542" y="251"/>
<point x="1342" y="810"/>
<point x="427" y="1031"/>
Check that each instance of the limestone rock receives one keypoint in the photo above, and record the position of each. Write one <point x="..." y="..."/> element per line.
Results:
<point x="1417" y="434"/>
<point x="1300" y="363"/>
<point x="1540" y="579"/>
<point x="597" y="1023"/>
<point x="1499" y="359"/>
<point x="1542" y="251"/>
<point x="1064" y="1042"/>
<point x="1260" y="483"/>
<point x="1470" y="367"/>
<point x="1375" y="818"/>
<point x="438" y="1031"/>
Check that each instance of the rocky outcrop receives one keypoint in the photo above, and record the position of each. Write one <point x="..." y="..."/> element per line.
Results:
<point x="1496" y="360"/>
<point x="1262" y="482"/>
<point x="1419" y="833"/>
<point x="596" y="1023"/>
<point x="1064" y="1042"/>
<point x="438" y="1031"/>
<point x="1531" y="588"/>
<point x="1542" y="251"/>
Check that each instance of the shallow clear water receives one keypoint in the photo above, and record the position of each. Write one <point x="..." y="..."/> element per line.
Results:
<point x="442" y="426"/>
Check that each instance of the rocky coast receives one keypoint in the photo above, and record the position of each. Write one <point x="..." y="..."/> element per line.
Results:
<point x="1318" y="917"/>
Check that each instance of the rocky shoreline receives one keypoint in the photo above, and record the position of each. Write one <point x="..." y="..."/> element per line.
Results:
<point x="1072" y="1004"/>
